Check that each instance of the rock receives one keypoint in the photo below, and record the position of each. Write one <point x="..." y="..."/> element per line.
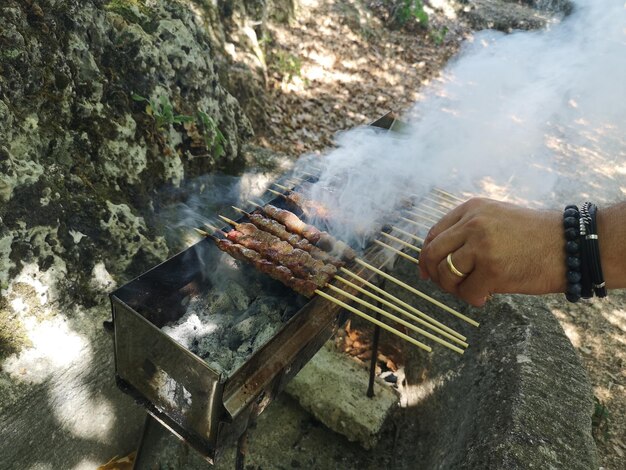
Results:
<point x="508" y="15"/>
<point x="332" y="388"/>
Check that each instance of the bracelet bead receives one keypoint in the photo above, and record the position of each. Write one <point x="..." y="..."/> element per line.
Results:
<point x="573" y="277"/>
<point x="572" y="247"/>
<point x="571" y="234"/>
<point x="573" y="262"/>
<point x="570" y="222"/>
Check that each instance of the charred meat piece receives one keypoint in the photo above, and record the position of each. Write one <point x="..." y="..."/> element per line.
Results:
<point x="280" y="273"/>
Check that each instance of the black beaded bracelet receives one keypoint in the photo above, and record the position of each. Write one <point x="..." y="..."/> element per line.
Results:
<point x="571" y="225"/>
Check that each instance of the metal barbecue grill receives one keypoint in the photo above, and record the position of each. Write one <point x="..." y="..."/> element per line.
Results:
<point x="207" y="408"/>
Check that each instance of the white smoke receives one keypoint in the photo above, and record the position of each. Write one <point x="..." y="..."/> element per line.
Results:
<point x="533" y="117"/>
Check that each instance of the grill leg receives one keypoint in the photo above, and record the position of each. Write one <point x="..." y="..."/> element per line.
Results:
<point x="374" y="359"/>
<point x="242" y="449"/>
<point x="152" y="431"/>
<point x="375" y="341"/>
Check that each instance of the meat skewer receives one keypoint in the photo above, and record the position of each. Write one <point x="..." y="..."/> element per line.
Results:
<point x="280" y="273"/>
<point x="293" y="223"/>
<point x="309" y="288"/>
<point x="276" y="228"/>
<point x="301" y="263"/>
<point x="323" y="240"/>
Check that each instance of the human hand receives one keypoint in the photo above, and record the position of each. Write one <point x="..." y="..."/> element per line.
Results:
<point x="500" y="247"/>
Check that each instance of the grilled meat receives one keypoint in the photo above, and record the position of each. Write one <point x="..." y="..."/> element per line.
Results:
<point x="280" y="273"/>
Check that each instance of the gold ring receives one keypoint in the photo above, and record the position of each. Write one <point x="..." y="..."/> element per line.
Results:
<point x="453" y="268"/>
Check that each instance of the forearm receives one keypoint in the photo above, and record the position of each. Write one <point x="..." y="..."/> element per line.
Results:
<point x="612" y="241"/>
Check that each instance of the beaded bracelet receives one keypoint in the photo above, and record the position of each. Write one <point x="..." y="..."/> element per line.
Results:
<point x="571" y="225"/>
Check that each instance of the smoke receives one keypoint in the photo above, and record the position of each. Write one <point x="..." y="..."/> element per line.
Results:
<point x="533" y="117"/>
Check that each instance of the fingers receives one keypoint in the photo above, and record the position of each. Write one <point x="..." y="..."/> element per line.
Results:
<point x="462" y="260"/>
<point x="430" y="260"/>
<point x="474" y="289"/>
<point x="445" y="223"/>
<point x="436" y="252"/>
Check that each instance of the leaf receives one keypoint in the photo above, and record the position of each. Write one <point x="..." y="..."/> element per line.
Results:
<point x="137" y="97"/>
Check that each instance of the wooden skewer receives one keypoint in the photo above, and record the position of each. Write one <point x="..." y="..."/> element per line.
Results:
<point x="441" y="203"/>
<point x="408" y="234"/>
<point x="430" y="211"/>
<point x="247" y="214"/>
<point x="377" y="309"/>
<point x="276" y="193"/>
<point x="396" y="319"/>
<point x="253" y="203"/>
<point x="284" y="188"/>
<point x="421" y="216"/>
<point x="404" y="304"/>
<point x="402" y="242"/>
<point x="415" y="222"/>
<point x="402" y="311"/>
<point x="228" y="221"/>
<point x="374" y="320"/>
<point x="417" y="292"/>
<point x="449" y="195"/>
<point x="398" y="252"/>
<point x="202" y="232"/>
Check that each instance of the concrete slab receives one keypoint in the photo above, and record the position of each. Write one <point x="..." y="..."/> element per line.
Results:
<point x="332" y="388"/>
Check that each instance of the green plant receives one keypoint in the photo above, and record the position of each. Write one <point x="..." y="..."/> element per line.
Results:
<point x="600" y="420"/>
<point x="287" y="65"/>
<point x="438" y="35"/>
<point x="213" y="137"/>
<point x="411" y="9"/>
<point x="162" y="111"/>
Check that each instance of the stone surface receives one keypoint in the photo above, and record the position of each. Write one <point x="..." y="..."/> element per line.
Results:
<point x="509" y="15"/>
<point x="332" y="388"/>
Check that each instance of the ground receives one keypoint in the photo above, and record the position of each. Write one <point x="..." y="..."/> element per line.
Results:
<point x="336" y="68"/>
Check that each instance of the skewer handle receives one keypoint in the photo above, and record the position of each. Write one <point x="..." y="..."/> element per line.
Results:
<point x="374" y="321"/>
<point x="419" y="293"/>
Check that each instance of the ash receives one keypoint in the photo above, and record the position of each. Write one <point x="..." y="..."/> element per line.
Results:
<point x="226" y="325"/>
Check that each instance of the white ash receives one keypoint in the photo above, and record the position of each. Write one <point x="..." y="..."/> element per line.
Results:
<point x="228" y="324"/>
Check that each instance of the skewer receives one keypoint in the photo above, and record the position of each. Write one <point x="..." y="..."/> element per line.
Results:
<point x="449" y="195"/>
<point x="253" y="203"/>
<point x="228" y="221"/>
<point x="396" y="319"/>
<point x="247" y="214"/>
<point x="408" y="234"/>
<point x="377" y="309"/>
<point x="415" y="222"/>
<point x="284" y="188"/>
<point x="417" y="292"/>
<point x="422" y="216"/>
<point x="276" y="193"/>
<point x="404" y="304"/>
<point x="441" y="203"/>
<point x="430" y="211"/>
<point x="203" y="233"/>
<point x="402" y="311"/>
<point x="374" y="321"/>
<point x="398" y="252"/>
<point x="402" y="242"/>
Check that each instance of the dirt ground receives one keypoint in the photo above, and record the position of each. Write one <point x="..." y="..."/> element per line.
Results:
<point x="337" y="67"/>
